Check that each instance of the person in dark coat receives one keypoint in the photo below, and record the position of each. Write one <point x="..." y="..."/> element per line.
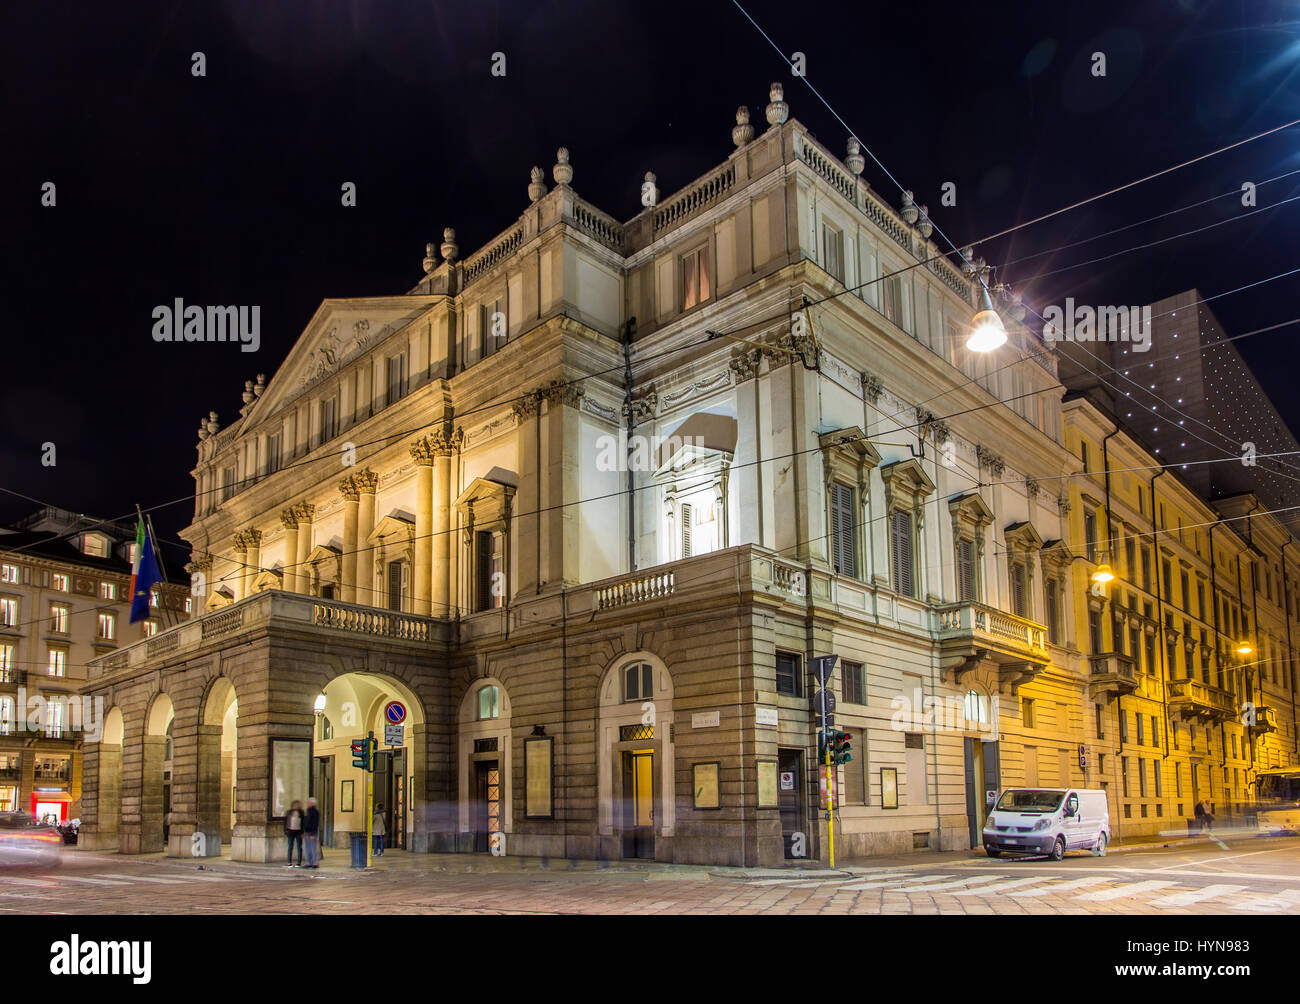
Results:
<point x="293" y="830"/>
<point x="311" y="833"/>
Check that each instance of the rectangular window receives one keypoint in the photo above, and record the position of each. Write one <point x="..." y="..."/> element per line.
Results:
<point x="329" y="419"/>
<point x="1186" y="591"/>
<point x="150" y="628"/>
<point x="6" y="663"/>
<point x="844" y="557"/>
<point x="1095" y="640"/>
<point x="227" y="483"/>
<point x="1155" y="731"/>
<point x="395" y="576"/>
<point x="494" y="326"/>
<point x="1142" y="778"/>
<point x="9" y="573"/>
<point x="638" y="682"/>
<point x="1027" y="712"/>
<point x="273" y="452"/>
<point x="490" y="556"/>
<point x="6" y="716"/>
<point x="833" y="242"/>
<point x="1155" y="774"/>
<point x="8" y="613"/>
<point x="966" y="570"/>
<point x="107" y="591"/>
<point x="696" y="286"/>
<point x="396" y="377"/>
<point x="900" y="552"/>
<point x="1019" y="589"/>
<point x="1123" y="725"/>
<point x="1100" y="715"/>
<point x="107" y="626"/>
<point x="1141" y="730"/>
<point x="1123" y="775"/>
<point x="1052" y="600"/>
<point x="1146" y="569"/>
<point x="58" y="662"/>
<point x="1090" y="534"/>
<point x="1150" y="646"/>
<point x="54" y="720"/>
<point x="1200" y="600"/>
<point x="891" y="298"/>
<point x="1130" y="557"/>
<point x="787" y="674"/>
<point x="854" y="691"/>
<point x="59" y="582"/>
<point x="688" y="525"/>
<point x="58" y="618"/>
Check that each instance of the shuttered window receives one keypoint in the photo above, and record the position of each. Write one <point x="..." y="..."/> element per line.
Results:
<point x="843" y="552"/>
<point x="900" y="552"/>
<point x="687" y="517"/>
<point x="966" y="569"/>
<point x="1019" y="590"/>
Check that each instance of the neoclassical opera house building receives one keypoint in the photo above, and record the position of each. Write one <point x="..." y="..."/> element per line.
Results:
<point x="584" y="505"/>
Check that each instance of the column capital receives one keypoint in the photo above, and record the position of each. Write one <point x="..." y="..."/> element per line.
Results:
<point x="349" y="490"/>
<point x="304" y="511"/>
<point x="445" y="441"/>
<point x="289" y="518"/>
<point x="253" y="537"/>
<point x="199" y="563"/>
<point x="366" y="481"/>
<point x="561" y="392"/>
<point x="528" y="405"/>
<point x="422" y="452"/>
<point x="239" y="542"/>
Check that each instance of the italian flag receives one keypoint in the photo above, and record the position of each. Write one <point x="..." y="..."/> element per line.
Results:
<point x="144" y="573"/>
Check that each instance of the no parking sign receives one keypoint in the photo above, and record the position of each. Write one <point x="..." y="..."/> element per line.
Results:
<point x="395" y="712"/>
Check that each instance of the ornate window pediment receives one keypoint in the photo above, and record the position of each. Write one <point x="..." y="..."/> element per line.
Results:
<point x="395" y="528"/>
<point x="268" y="578"/>
<point x="906" y="485"/>
<point x="485" y="503"/>
<point x="970" y="514"/>
<point x="222" y="596"/>
<point x="1056" y="556"/>
<point x="1023" y="538"/>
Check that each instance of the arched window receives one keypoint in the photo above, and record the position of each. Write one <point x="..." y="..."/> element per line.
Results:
<point x="326" y="729"/>
<point x="638" y="682"/>
<point x="489" y="702"/>
<point x="977" y="707"/>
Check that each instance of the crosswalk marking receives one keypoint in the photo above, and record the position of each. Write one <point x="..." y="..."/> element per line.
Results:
<point x="1286" y="900"/>
<point x="31" y="882"/>
<point x="94" y="881"/>
<point x="1052" y="888"/>
<point x="1128" y="889"/>
<point x="956" y="883"/>
<point x="894" y="882"/>
<point x="997" y="888"/>
<point x="1196" y="895"/>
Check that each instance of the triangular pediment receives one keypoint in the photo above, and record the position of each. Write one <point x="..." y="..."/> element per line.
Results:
<point x="339" y="332"/>
<point x="396" y="524"/>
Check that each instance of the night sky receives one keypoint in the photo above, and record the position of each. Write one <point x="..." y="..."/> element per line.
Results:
<point x="225" y="189"/>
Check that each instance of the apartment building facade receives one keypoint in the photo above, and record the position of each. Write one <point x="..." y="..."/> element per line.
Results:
<point x="64" y="599"/>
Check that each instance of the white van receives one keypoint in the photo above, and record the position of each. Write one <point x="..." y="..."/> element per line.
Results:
<point x="1048" y="821"/>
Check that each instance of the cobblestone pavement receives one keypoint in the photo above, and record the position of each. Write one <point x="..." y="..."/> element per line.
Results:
<point x="1244" y="877"/>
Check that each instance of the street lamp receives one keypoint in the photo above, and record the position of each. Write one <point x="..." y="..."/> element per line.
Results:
<point x="320" y="705"/>
<point x="1244" y="649"/>
<point x="987" y="331"/>
<point x="1103" y="573"/>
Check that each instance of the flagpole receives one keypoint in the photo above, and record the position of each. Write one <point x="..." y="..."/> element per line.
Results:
<point x="168" y="613"/>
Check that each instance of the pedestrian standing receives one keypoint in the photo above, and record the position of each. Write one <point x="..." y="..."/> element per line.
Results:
<point x="378" y="830"/>
<point x="311" y="833"/>
<point x="293" y="830"/>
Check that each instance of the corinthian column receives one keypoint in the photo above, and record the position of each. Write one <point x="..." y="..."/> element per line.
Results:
<point x="253" y="541"/>
<point x="422" y="454"/>
<point x="240" y="582"/>
<point x="305" y="512"/>
<point x="351" y="499"/>
<point x="443" y="443"/>
<point x="290" y="520"/>
<point x="366" y="481"/>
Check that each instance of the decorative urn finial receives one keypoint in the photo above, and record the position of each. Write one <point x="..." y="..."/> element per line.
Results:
<point x="854" y="160"/>
<point x="430" y="258"/>
<point x="562" y="172"/>
<point x="926" y="227"/>
<point x="910" y="212"/>
<point x="213" y="425"/>
<point x="248" y="392"/>
<point x="537" y="184"/>
<point x="203" y="429"/>
<point x="743" y="132"/>
<point x="777" y="111"/>
<point x="450" y="251"/>
<point x="260" y="385"/>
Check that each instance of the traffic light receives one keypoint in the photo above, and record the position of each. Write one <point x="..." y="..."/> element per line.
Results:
<point x="361" y="753"/>
<point x="842" y="751"/>
<point x="823" y="742"/>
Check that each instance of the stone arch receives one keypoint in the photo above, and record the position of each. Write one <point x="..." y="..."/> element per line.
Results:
<point x="216" y="765"/>
<point x="617" y="713"/>
<point x="474" y="730"/>
<point x="155" y="782"/>
<point x="354" y="706"/>
<point x="106" y="824"/>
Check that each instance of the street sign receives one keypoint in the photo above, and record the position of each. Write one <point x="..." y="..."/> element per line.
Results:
<point x="394" y="735"/>
<point x="822" y="667"/>
<point x="395" y="712"/>
<point x="787" y="780"/>
<point x="824" y="702"/>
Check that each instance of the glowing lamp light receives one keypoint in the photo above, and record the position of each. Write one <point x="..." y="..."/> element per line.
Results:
<point x="987" y="331"/>
<point x="1103" y="573"/>
<point x="1244" y="649"/>
<point x="320" y="705"/>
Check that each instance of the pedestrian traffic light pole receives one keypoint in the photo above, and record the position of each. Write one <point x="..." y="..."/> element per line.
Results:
<point x="830" y="795"/>
<point x="371" y="743"/>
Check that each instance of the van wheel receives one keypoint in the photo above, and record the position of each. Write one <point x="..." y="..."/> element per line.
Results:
<point x="1099" y="848"/>
<point x="1058" y="849"/>
<point x="992" y="853"/>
